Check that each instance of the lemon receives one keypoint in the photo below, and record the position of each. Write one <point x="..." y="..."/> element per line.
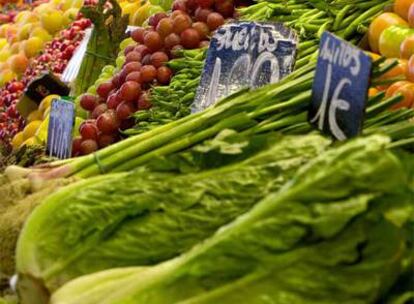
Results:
<point x="25" y="17"/>
<point x="24" y="31"/>
<point x="5" y="53"/>
<point x="31" y="129"/>
<point x="47" y="102"/>
<point x="129" y="8"/>
<point x="52" y="21"/>
<point x="21" y="16"/>
<point x="35" y="115"/>
<point x="41" y="33"/>
<point x="6" y="76"/>
<point x="66" y="4"/>
<point x="17" y="140"/>
<point x="70" y="15"/>
<point x="3" y="42"/>
<point x="77" y="3"/>
<point x="33" y="46"/>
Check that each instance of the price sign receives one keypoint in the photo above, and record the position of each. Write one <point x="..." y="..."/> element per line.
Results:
<point x="59" y="139"/>
<point x="340" y="88"/>
<point x="245" y="54"/>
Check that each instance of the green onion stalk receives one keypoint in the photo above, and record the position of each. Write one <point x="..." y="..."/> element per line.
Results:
<point x="278" y="107"/>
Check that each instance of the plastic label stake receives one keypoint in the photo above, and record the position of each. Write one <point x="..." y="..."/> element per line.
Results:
<point x="59" y="139"/>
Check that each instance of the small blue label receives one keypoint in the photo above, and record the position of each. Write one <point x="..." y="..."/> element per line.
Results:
<point x="340" y="88"/>
<point x="61" y="122"/>
<point x="245" y="54"/>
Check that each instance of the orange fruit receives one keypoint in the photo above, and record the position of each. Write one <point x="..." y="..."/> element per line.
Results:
<point x="18" y="63"/>
<point x="379" y="24"/>
<point x="401" y="7"/>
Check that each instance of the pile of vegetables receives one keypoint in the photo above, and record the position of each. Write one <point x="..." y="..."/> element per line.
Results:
<point x="145" y="65"/>
<point x="391" y="35"/>
<point x="171" y="102"/>
<point x="271" y="108"/>
<point x="293" y="227"/>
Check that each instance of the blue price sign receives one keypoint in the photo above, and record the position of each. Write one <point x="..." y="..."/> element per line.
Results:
<point x="245" y="54"/>
<point x="340" y="88"/>
<point x="61" y="121"/>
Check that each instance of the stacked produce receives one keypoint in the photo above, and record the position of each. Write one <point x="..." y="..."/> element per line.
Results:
<point x="139" y="11"/>
<point x="10" y="9"/>
<point x="391" y="35"/>
<point x="135" y="219"/>
<point x="26" y="36"/>
<point x="146" y="66"/>
<point x="303" y="243"/>
<point x="171" y="102"/>
<point x="54" y="57"/>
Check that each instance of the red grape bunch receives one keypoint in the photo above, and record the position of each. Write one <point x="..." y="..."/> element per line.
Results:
<point x="188" y="26"/>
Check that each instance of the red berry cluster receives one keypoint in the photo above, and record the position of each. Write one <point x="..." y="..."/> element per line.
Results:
<point x="189" y="26"/>
<point x="54" y="58"/>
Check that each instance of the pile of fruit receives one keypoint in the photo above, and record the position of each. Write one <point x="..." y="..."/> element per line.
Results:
<point x="28" y="34"/>
<point x="10" y="9"/>
<point x="55" y="58"/>
<point x="143" y="65"/>
<point x="139" y="11"/>
<point x="391" y="35"/>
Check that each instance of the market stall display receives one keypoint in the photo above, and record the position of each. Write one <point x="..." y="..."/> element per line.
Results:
<point x="246" y="201"/>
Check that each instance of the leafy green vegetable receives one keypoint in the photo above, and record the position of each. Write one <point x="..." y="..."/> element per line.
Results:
<point x="146" y="217"/>
<point x="326" y="237"/>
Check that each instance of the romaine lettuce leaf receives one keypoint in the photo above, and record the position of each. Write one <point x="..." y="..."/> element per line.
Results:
<point x="322" y="238"/>
<point x="147" y="217"/>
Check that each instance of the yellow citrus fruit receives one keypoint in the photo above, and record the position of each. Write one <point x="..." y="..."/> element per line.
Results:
<point x="3" y="42"/>
<point x="41" y="33"/>
<point x="5" y="54"/>
<point x="17" y="140"/>
<point x="77" y="3"/>
<point x="46" y="102"/>
<point x="6" y="76"/>
<point x="24" y="31"/>
<point x="3" y="30"/>
<point x="129" y="8"/>
<point x="35" y="115"/>
<point x="25" y="17"/>
<point x="33" y="46"/>
<point x="31" y="128"/>
<point x="52" y="22"/>
<point x="43" y="8"/>
<point x="65" y="5"/>
<point x="70" y="15"/>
